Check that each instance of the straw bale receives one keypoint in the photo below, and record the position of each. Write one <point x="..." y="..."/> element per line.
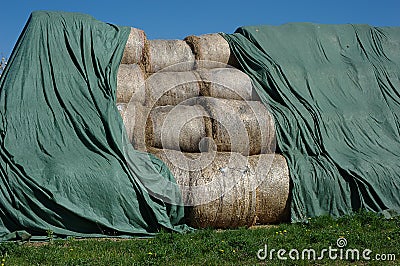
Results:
<point x="130" y="83"/>
<point x="168" y="55"/>
<point x="171" y="88"/>
<point x="135" y="118"/>
<point x="134" y="47"/>
<point x="229" y="190"/>
<point x="273" y="199"/>
<point x="211" y="51"/>
<point x="246" y="127"/>
<point x="178" y="127"/>
<point x="227" y="83"/>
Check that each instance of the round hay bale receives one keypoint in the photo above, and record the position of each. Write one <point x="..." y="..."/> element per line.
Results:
<point x="135" y="118"/>
<point x="225" y="197"/>
<point x="130" y="83"/>
<point x="178" y="127"/>
<point x="246" y="127"/>
<point x="171" y="88"/>
<point x="230" y="190"/>
<point x="227" y="83"/>
<point x="134" y="47"/>
<point x="211" y="51"/>
<point x="168" y="55"/>
<point x="273" y="198"/>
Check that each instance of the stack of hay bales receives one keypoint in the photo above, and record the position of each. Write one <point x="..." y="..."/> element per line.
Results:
<point x="185" y="102"/>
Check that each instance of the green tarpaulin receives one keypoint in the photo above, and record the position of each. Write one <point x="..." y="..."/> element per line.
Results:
<point x="334" y="91"/>
<point x="65" y="164"/>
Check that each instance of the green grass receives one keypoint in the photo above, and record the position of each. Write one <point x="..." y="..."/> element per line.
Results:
<point x="216" y="247"/>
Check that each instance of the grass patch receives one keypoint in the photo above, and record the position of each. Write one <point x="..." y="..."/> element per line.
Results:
<point x="215" y="247"/>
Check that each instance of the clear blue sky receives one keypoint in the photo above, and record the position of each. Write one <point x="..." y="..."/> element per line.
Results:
<point x="177" y="19"/>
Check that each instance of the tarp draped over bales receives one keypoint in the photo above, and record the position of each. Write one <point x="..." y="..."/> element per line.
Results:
<point x="65" y="165"/>
<point x="334" y="91"/>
